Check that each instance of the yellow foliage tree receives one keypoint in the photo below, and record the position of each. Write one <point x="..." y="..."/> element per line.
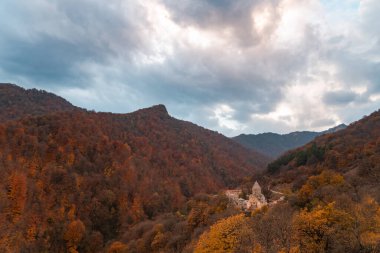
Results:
<point x="324" y="229"/>
<point x="227" y="235"/>
<point x="367" y="224"/>
<point x="317" y="182"/>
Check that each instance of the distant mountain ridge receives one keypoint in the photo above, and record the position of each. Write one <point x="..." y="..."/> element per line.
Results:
<point x="273" y="145"/>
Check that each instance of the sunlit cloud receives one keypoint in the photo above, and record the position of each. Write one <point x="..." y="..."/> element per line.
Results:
<point x="224" y="115"/>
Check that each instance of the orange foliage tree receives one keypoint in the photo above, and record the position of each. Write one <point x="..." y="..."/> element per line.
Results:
<point x="74" y="235"/>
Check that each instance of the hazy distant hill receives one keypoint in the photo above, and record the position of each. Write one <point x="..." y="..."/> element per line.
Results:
<point x="273" y="145"/>
<point x="17" y="102"/>
<point x="101" y="171"/>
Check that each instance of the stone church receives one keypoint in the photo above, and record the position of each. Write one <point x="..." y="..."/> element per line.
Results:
<point x="255" y="200"/>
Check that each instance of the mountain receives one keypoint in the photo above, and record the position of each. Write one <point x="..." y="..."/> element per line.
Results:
<point x="273" y="145"/>
<point x="17" y="102"/>
<point x="353" y="152"/>
<point x="70" y="176"/>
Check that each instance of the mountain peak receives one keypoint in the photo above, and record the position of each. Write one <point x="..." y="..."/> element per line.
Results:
<point x="159" y="109"/>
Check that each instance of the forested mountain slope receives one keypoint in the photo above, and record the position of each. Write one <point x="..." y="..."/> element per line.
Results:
<point x="79" y="180"/>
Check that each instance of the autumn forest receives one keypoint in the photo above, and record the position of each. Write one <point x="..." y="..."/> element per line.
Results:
<point x="73" y="180"/>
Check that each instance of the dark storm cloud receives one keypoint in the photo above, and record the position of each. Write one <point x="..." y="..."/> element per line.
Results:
<point x="56" y="39"/>
<point x="48" y="60"/>
<point x="182" y="80"/>
<point x="211" y="13"/>
<point x="113" y="26"/>
<point x="223" y="14"/>
<point x="339" y="97"/>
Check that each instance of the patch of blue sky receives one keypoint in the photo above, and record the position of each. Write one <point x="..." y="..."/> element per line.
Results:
<point x="341" y="10"/>
<point x="341" y="5"/>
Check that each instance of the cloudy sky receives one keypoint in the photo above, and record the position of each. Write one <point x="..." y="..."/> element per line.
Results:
<point x="229" y="65"/>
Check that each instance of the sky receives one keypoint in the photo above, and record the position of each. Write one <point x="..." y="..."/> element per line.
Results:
<point x="241" y="66"/>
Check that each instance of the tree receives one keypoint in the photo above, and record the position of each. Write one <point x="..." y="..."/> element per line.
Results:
<point x="367" y="224"/>
<point x="324" y="229"/>
<point x="273" y="229"/>
<point x="117" y="247"/>
<point x="228" y="235"/>
<point x="308" y="194"/>
<point x="17" y="194"/>
<point x="74" y="234"/>
<point x="159" y="238"/>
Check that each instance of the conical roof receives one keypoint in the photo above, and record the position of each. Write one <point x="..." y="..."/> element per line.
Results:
<point x="256" y="187"/>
